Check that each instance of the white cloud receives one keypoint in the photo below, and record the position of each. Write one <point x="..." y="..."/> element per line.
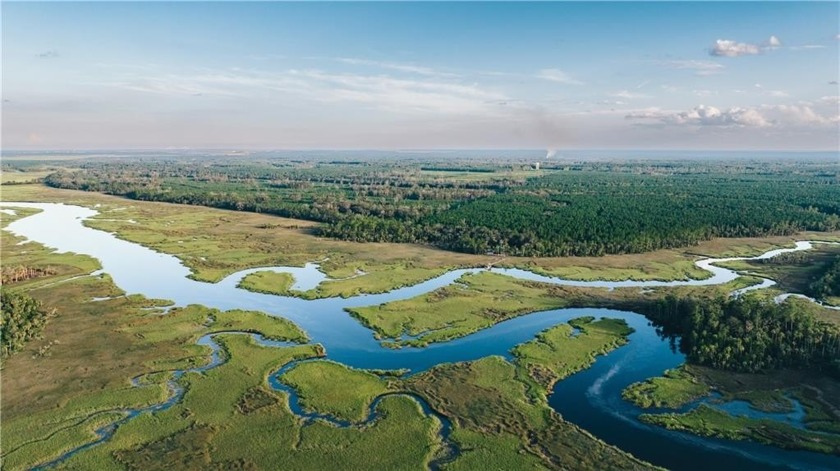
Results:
<point x="759" y="117"/>
<point x="409" y="68"/>
<point x="711" y="116"/>
<point x="647" y="113"/>
<point x="800" y="115"/>
<point x="612" y="102"/>
<point x="806" y="47"/>
<point x="730" y="48"/>
<point x="427" y="94"/>
<point x="778" y="93"/>
<point x="699" y="67"/>
<point x="557" y="75"/>
<point x="175" y="86"/>
<point x="402" y="94"/>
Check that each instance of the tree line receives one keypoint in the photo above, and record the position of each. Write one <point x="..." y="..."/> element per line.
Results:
<point x="747" y="334"/>
<point x="17" y="273"/>
<point x="627" y="209"/>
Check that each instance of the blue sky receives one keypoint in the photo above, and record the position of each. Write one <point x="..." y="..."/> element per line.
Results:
<point x="757" y="75"/>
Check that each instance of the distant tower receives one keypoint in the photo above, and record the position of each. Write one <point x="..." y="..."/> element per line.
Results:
<point x="537" y="166"/>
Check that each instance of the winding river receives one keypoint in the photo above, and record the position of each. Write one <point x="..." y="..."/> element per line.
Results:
<point x="591" y="398"/>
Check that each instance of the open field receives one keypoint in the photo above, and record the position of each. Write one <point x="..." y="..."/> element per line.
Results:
<point x="28" y="176"/>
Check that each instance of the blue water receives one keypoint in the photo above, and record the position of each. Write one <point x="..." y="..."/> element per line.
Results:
<point x="591" y="398"/>
<point x="795" y="417"/>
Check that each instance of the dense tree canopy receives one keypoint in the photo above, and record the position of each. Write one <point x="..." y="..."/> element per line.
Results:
<point x="22" y="319"/>
<point x="829" y="283"/>
<point x="591" y="209"/>
<point x="747" y="334"/>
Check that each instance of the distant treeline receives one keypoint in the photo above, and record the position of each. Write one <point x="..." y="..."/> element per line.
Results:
<point x="747" y="334"/>
<point x="582" y="212"/>
<point x="458" y="169"/>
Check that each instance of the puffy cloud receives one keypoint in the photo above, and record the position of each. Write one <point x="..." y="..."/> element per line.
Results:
<point x="730" y="48"/>
<point x="763" y="116"/>
<point x="801" y="115"/>
<point x="557" y="75"/>
<point x="711" y="116"/>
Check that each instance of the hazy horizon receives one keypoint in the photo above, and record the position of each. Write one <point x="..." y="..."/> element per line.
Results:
<point x="424" y="76"/>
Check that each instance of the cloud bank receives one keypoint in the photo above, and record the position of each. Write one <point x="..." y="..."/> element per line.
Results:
<point x="753" y="117"/>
